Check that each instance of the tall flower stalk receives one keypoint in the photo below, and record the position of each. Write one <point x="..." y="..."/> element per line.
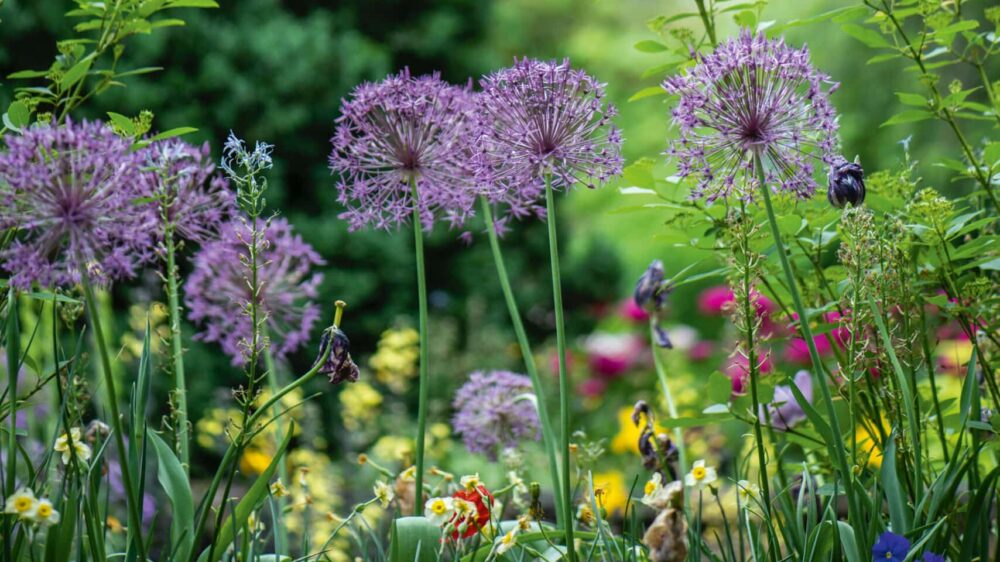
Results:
<point x="402" y="151"/>
<point x="547" y="125"/>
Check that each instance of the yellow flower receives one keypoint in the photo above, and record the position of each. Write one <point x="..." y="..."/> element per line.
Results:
<point x="45" y="513"/>
<point x="471" y="482"/>
<point x="114" y="525"/>
<point x="22" y="503"/>
<point x="507" y="541"/>
<point x="80" y="449"/>
<point x="748" y="492"/>
<point x="395" y="359"/>
<point x="627" y="438"/>
<point x="953" y="354"/>
<point x="255" y="461"/>
<point x="869" y="444"/>
<point x="360" y="404"/>
<point x="700" y="475"/>
<point x="383" y="493"/>
<point x="439" y="510"/>
<point x="609" y="487"/>
<point x="278" y="489"/>
<point x="393" y="448"/>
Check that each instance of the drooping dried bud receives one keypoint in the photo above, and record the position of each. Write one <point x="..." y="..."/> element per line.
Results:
<point x="847" y="184"/>
<point x="648" y="288"/>
<point x="338" y="365"/>
<point x="667" y="536"/>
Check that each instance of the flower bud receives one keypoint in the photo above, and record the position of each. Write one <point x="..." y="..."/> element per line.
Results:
<point x="847" y="184"/>
<point x="338" y="365"/>
<point x="649" y="286"/>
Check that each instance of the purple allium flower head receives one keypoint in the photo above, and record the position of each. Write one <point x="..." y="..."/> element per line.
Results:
<point x="545" y="118"/>
<point x="217" y="292"/>
<point x="72" y="192"/>
<point x="891" y="547"/>
<point x="495" y="410"/>
<point x="197" y="200"/>
<point x="752" y="96"/>
<point x="785" y="411"/>
<point x="399" y="130"/>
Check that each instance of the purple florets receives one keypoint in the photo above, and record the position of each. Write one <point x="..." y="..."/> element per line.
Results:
<point x="891" y="547"/>
<point x="405" y="129"/>
<point x="217" y="291"/>
<point x="752" y="96"/>
<point x="196" y="200"/>
<point x="495" y="410"/>
<point x="545" y="119"/>
<point x="72" y="193"/>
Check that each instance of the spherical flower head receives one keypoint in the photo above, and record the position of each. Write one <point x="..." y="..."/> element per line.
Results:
<point x="195" y="199"/>
<point x="495" y="410"/>
<point x="700" y="475"/>
<point x="545" y="119"/>
<point x="405" y="129"/>
<point x="74" y="195"/>
<point x="752" y="96"/>
<point x="891" y="547"/>
<point x="217" y="291"/>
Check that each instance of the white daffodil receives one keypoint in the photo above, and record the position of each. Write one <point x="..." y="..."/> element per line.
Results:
<point x="507" y="541"/>
<point x="80" y="449"/>
<point x="45" y="514"/>
<point x="471" y="482"/>
<point x="278" y="489"/>
<point x="439" y="510"/>
<point x="383" y="493"/>
<point x="700" y="475"/>
<point x="22" y="503"/>
<point x="653" y="490"/>
<point x="747" y="491"/>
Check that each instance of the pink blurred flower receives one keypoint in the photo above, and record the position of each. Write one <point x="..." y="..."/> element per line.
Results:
<point x="737" y="368"/>
<point x="713" y="300"/>
<point x="632" y="312"/>
<point x="700" y="351"/>
<point x="592" y="387"/>
<point x="610" y="355"/>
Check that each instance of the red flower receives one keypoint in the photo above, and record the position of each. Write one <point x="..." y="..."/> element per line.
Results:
<point x="483" y="500"/>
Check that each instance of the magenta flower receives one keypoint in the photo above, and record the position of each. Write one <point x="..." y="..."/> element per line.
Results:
<point x="545" y="119"/>
<point x="752" y="96"/>
<point x="405" y="129"/>
<point x="495" y="410"/>
<point x="217" y="291"/>
<point x="198" y="200"/>
<point x="72" y="193"/>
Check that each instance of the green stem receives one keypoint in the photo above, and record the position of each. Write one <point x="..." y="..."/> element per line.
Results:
<point x="819" y="380"/>
<point x="13" y="347"/>
<point x="548" y="435"/>
<point x="177" y="352"/>
<point x="135" y="517"/>
<point x="280" y="532"/>
<point x="661" y="375"/>
<point x="564" y="392"/>
<point x="418" y="244"/>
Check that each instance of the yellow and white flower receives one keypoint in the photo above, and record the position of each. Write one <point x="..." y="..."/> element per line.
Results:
<point x="748" y="492"/>
<point x="79" y="448"/>
<point x="700" y="475"/>
<point x="278" y="489"/>
<point x="506" y="542"/>
<point x="45" y="514"/>
<point x="439" y="510"/>
<point x="22" y="503"/>
<point x="383" y="493"/>
<point x="471" y="481"/>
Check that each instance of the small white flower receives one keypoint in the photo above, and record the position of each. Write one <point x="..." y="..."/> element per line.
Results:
<point x="471" y="482"/>
<point x="700" y="475"/>
<point x="22" y="503"/>
<point x="45" y="514"/>
<point x="79" y="448"/>
<point x="748" y="492"/>
<point x="278" y="489"/>
<point x="383" y="493"/>
<point x="507" y="541"/>
<point x="654" y="493"/>
<point x="439" y="510"/>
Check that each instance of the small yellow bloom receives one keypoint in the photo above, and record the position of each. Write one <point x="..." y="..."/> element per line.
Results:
<point x="80" y="449"/>
<point x="278" y="489"/>
<point x="627" y="438"/>
<point x="700" y="475"/>
<point x="22" y="503"/>
<point x="585" y="515"/>
<point x="114" y="524"/>
<point x="610" y="490"/>
<point x="439" y="510"/>
<point x="748" y="492"/>
<point x="255" y="461"/>
<point x="383" y="493"/>
<point x="471" y="482"/>
<point x="507" y="541"/>
<point x="45" y="514"/>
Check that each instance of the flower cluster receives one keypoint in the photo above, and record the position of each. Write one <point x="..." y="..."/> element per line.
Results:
<point x="402" y="143"/>
<point x="217" y="291"/>
<point x="71" y="445"/>
<point x="466" y="513"/>
<point x="495" y="410"/>
<point x="752" y="97"/>
<point x="25" y="506"/>
<point x="74" y="195"/>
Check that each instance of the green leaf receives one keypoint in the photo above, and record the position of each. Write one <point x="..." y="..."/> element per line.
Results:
<point x="718" y="389"/>
<point x="123" y="123"/>
<point x="899" y="512"/>
<point x="28" y="74"/>
<point x="414" y="539"/>
<point x="848" y="541"/>
<point x="18" y="114"/>
<point x="648" y="93"/>
<point x="912" y="99"/>
<point x="77" y="72"/>
<point x="174" y="133"/>
<point x="866" y="35"/>
<point x="649" y="46"/>
<point x="192" y="4"/>
<point x="175" y="484"/>
<point x="992" y="265"/>
<point x="908" y="116"/>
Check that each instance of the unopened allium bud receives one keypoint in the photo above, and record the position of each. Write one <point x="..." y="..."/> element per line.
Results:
<point x="338" y="365"/>
<point x="847" y="184"/>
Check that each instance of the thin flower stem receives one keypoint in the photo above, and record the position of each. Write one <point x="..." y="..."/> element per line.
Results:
<point x="550" y="209"/>
<point x="661" y="375"/>
<point x="13" y="348"/>
<point x="418" y="245"/>
<point x="837" y="446"/>
<point x="177" y="352"/>
<point x="135" y="518"/>
<point x="280" y="532"/>
<point x="548" y="435"/>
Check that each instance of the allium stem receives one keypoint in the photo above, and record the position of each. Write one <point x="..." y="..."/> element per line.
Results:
<point x="177" y="352"/>
<point x="418" y="245"/>
<point x="836" y="446"/>
<point x="550" y="209"/>
<point x="135" y="517"/>
<point x="548" y="435"/>
<point x="280" y="532"/>
<point x="12" y="342"/>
